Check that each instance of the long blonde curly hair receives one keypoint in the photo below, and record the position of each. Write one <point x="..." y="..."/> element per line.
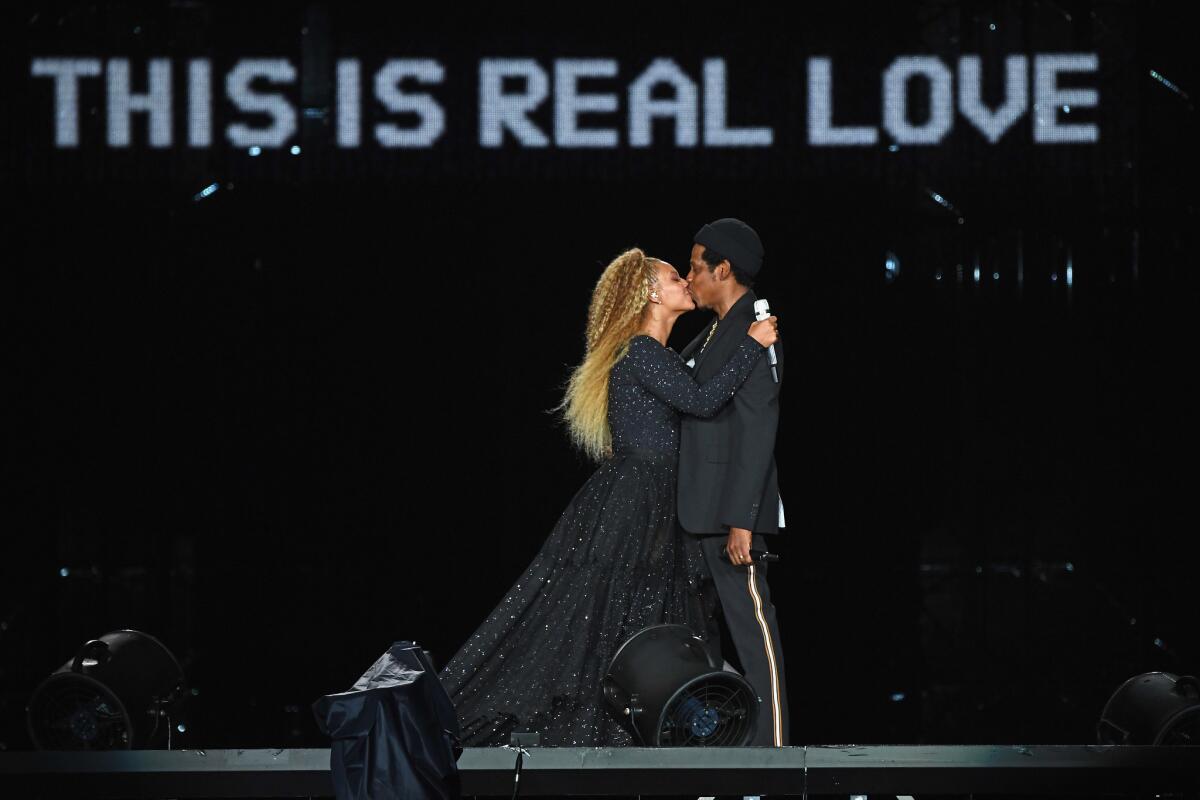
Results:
<point x="614" y="317"/>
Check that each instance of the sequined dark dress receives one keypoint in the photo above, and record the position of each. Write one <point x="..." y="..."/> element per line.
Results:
<point x="614" y="563"/>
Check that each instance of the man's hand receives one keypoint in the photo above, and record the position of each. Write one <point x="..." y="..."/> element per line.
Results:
<point x="737" y="546"/>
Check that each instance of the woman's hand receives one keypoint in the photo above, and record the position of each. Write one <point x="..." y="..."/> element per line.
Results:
<point x="765" y="332"/>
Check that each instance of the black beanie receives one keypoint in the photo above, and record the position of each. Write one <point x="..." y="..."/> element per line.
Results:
<point x="734" y="239"/>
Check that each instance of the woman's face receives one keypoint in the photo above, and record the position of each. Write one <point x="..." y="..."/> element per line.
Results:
<point x="672" y="289"/>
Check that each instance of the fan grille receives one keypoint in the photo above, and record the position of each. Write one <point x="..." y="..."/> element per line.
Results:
<point x="1184" y="729"/>
<point x="712" y="712"/>
<point x="70" y="715"/>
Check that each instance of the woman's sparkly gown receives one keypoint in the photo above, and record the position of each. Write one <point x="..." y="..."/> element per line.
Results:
<point x="615" y="562"/>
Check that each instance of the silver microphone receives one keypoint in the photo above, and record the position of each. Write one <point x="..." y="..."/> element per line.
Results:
<point x="762" y="310"/>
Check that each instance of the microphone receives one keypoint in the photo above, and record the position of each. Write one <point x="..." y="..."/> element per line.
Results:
<point x="755" y="555"/>
<point x="762" y="310"/>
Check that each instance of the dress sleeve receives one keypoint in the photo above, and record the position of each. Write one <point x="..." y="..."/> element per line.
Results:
<point x="663" y="374"/>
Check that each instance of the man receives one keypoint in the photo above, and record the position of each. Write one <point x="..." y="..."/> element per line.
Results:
<point x="728" y="490"/>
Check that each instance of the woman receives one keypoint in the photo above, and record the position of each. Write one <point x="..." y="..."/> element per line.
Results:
<point x="615" y="561"/>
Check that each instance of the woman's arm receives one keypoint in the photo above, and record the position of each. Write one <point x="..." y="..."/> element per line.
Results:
<point x="664" y="375"/>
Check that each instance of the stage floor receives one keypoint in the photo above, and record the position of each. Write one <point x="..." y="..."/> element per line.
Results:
<point x="895" y="770"/>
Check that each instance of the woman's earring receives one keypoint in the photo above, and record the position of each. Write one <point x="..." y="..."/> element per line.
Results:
<point x="654" y="295"/>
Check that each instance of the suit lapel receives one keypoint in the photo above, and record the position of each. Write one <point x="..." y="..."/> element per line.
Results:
<point x="695" y="343"/>
<point x="736" y="317"/>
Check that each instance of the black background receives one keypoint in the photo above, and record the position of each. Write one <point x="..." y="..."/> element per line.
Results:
<point x="285" y="425"/>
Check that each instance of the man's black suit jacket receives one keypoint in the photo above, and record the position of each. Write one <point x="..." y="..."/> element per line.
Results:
<point x="727" y="463"/>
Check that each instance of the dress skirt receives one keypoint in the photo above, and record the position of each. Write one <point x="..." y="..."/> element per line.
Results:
<point x="615" y="562"/>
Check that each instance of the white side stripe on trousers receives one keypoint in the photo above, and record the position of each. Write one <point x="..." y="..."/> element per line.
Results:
<point x="776" y="711"/>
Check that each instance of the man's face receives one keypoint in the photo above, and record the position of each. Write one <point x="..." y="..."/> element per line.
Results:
<point x="701" y="280"/>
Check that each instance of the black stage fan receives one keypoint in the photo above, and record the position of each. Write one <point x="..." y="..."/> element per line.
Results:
<point x="117" y="693"/>
<point x="1154" y="708"/>
<point x="665" y="681"/>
